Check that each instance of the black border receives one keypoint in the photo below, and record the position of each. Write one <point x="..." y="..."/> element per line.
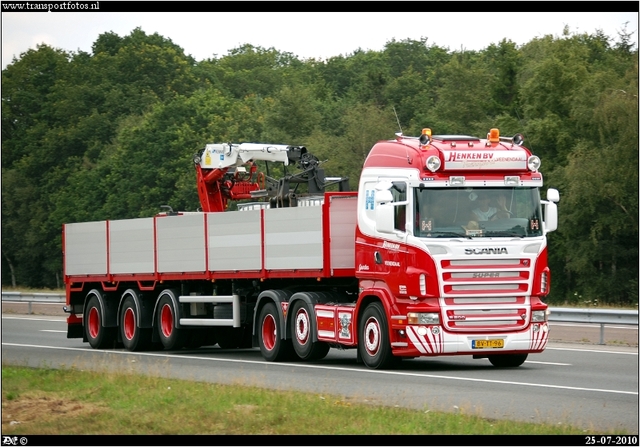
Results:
<point x="286" y="6"/>
<point x="306" y="440"/>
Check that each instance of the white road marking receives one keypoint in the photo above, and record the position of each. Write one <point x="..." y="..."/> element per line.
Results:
<point x="330" y="368"/>
<point x="548" y="363"/>
<point x="63" y="319"/>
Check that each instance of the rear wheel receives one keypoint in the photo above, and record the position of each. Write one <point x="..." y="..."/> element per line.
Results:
<point x="303" y="328"/>
<point x="134" y="338"/>
<point x="508" y="360"/>
<point x="99" y="337"/>
<point x="170" y="336"/>
<point x="374" y="345"/>
<point x="272" y="346"/>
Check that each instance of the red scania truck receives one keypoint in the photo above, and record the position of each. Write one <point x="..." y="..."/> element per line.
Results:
<point x="441" y="251"/>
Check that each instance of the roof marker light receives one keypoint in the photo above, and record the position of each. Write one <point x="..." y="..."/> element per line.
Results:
<point x="494" y="135"/>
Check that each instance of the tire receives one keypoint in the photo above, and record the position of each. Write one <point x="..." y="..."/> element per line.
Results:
<point x="508" y="360"/>
<point x="134" y="338"/>
<point x="272" y="346"/>
<point x="99" y="337"/>
<point x="302" y="334"/>
<point x="374" y="345"/>
<point x="170" y="336"/>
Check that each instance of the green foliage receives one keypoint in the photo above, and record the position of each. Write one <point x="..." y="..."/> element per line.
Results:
<point x="292" y="116"/>
<point x="111" y="133"/>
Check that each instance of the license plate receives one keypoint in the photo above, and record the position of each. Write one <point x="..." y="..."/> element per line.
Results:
<point x="487" y="344"/>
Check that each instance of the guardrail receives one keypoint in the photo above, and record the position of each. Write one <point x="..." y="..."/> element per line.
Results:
<point x="559" y="314"/>
<point x="595" y="316"/>
<point x="21" y="297"/>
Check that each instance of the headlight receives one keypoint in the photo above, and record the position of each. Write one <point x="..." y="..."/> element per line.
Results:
<point x="433" y="163"/>
<point x="423" y="318"/>
<point x="539" y="316"/>
<point x="533" y="163"/>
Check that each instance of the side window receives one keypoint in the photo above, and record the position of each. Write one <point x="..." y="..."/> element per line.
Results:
<point x="399" y="192"/>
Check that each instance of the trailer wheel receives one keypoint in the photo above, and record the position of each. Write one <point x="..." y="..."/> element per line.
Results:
<point x="508" y="360"/>
<point x="374" y="346"/>
<point x="170" y="336"/>
<point x="272" y="346"/>
<point x="134" y="338"/>
<point x="303" y="343"/>
<point x="99" y="337"/>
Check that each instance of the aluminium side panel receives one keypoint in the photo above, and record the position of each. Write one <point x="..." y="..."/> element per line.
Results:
<point x="235" y="241"/>
<point x="131" y="246"/>
<point x="181" y="243"/>
<point x="293" y="238"/>
<point x="342" y="231"/>
<point x="85" y="248"/>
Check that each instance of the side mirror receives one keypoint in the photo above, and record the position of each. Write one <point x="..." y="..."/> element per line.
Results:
<point x="550" y="217"/>
<point x="553" y="195"/>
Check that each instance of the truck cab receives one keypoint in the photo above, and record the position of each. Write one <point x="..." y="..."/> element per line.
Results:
<point x="451" y="238"/>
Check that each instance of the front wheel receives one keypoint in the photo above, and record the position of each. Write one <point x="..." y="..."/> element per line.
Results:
<point x="272" y="346"/>
<point x="303" y="343"/>
<point x="99" y="336"/>
<point x="508" y="360"/>
<point x="374" y="346"/>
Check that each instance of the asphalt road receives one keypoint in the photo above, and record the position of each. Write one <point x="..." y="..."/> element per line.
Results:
<point x="588" y="385"/>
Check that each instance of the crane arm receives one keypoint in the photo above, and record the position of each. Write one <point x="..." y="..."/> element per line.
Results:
<point x="222" y="174"/>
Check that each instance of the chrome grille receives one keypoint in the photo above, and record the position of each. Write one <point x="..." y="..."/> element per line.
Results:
<point x="485" y="294"/>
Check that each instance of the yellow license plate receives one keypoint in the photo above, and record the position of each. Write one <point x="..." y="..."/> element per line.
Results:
<point x="487" y="344"/>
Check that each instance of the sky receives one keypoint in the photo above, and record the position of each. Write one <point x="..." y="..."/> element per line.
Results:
<point x="318" y="35"/>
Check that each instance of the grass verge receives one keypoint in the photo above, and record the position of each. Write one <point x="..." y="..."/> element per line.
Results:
<point x="45" y="401"/>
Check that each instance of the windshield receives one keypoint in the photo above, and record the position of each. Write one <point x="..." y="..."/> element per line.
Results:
<point x="477" y="212"/>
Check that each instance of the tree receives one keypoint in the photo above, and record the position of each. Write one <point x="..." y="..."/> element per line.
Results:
<point x="249" y="70"/>
<point x="364" y="125"/>
<point x="292" y="116"/>
<point x="463" y="100"/>
<point x="599" y="223"/>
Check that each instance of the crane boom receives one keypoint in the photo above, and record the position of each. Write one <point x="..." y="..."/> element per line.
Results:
<point x="219" y="156"/>
<point x="222" y="173"/>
